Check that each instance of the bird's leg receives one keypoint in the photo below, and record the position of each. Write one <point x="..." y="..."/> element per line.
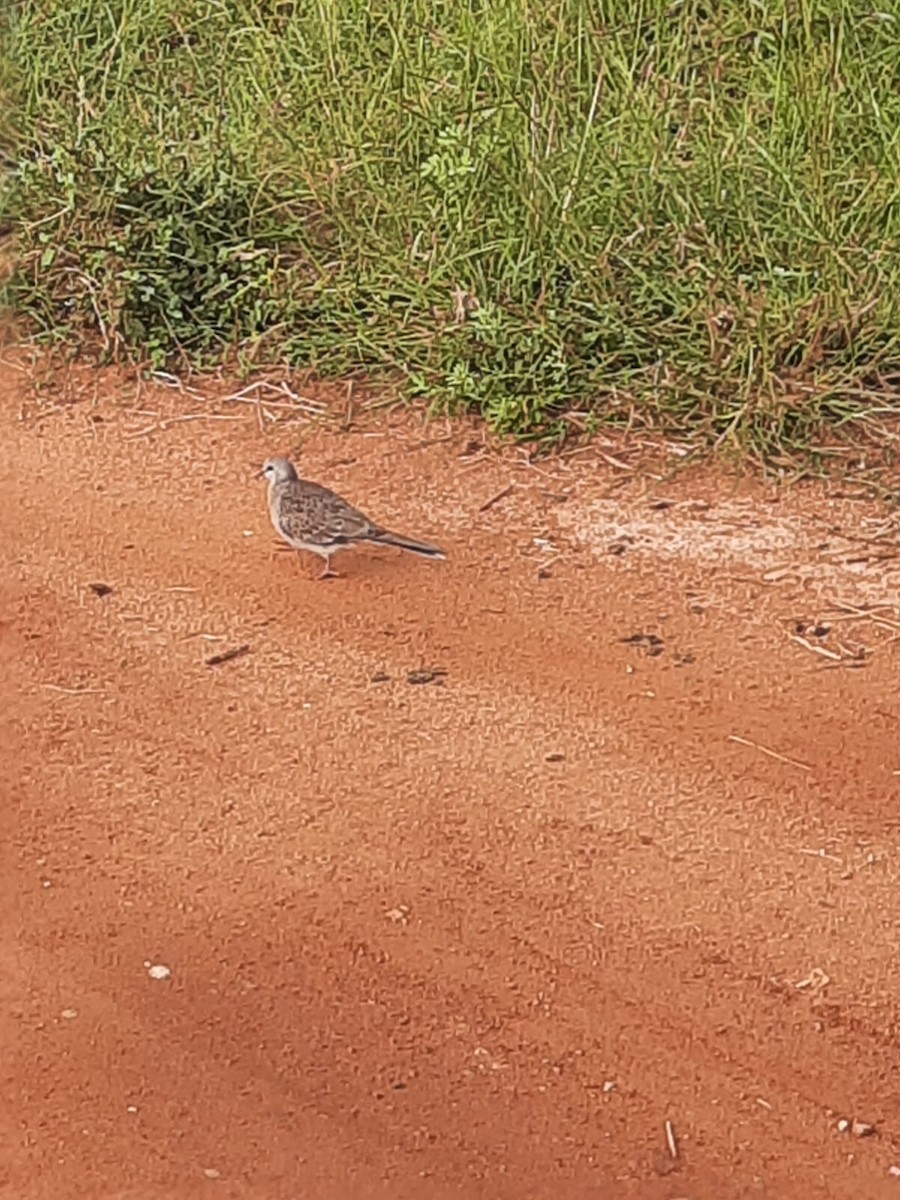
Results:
<point x="328" y="573"/>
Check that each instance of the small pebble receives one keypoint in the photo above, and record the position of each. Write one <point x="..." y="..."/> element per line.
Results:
<point x="895" y="1171"/>
<point x="862" y="1129"/>
<point x="211" y="1173"/>
<point x="132" y="1108"/>
<point x="158" y="971"/>
<point x="69" y="1014"/>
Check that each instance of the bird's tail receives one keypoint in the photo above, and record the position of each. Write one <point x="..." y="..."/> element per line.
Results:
<point x="384" y="537"/>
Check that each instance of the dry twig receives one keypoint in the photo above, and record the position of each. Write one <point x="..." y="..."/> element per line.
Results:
<point x="670" y="1139"/>
<point x="791" y="762"/>
<point x="496" y="498"/>
<point x="228" y="656"/>
<point x="85" y="691"/>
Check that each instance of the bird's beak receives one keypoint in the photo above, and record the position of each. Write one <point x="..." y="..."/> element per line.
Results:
<point x="258" y="474"/>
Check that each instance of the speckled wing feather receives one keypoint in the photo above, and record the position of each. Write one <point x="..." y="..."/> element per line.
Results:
<point x="316" y="516"/>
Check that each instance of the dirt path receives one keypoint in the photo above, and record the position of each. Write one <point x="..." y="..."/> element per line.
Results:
<point x="478" y="937"/>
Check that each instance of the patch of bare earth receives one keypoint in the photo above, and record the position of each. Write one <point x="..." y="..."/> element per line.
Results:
<point x="566" y="867"/>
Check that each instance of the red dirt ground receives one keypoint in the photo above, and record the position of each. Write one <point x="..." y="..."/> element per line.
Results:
<point x="480" y="937"/>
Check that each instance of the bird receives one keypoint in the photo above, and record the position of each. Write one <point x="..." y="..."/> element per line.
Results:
<point x="311" y="517"/>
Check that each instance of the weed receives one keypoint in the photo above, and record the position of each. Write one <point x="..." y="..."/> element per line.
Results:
<point x="679" y="213"/>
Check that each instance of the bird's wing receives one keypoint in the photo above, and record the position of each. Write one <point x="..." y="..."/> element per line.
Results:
<point x="311" y="513"/>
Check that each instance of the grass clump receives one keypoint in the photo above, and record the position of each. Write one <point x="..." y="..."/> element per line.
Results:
<point x="684" y="213"/>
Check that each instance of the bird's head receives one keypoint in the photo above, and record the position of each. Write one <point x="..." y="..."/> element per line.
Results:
<point x="278" y="470"/>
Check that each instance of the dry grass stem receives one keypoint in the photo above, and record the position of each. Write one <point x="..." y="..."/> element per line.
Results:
<point x="791" y="762"/>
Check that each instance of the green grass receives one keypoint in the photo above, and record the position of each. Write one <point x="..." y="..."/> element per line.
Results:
<point x="684" y="214"/>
